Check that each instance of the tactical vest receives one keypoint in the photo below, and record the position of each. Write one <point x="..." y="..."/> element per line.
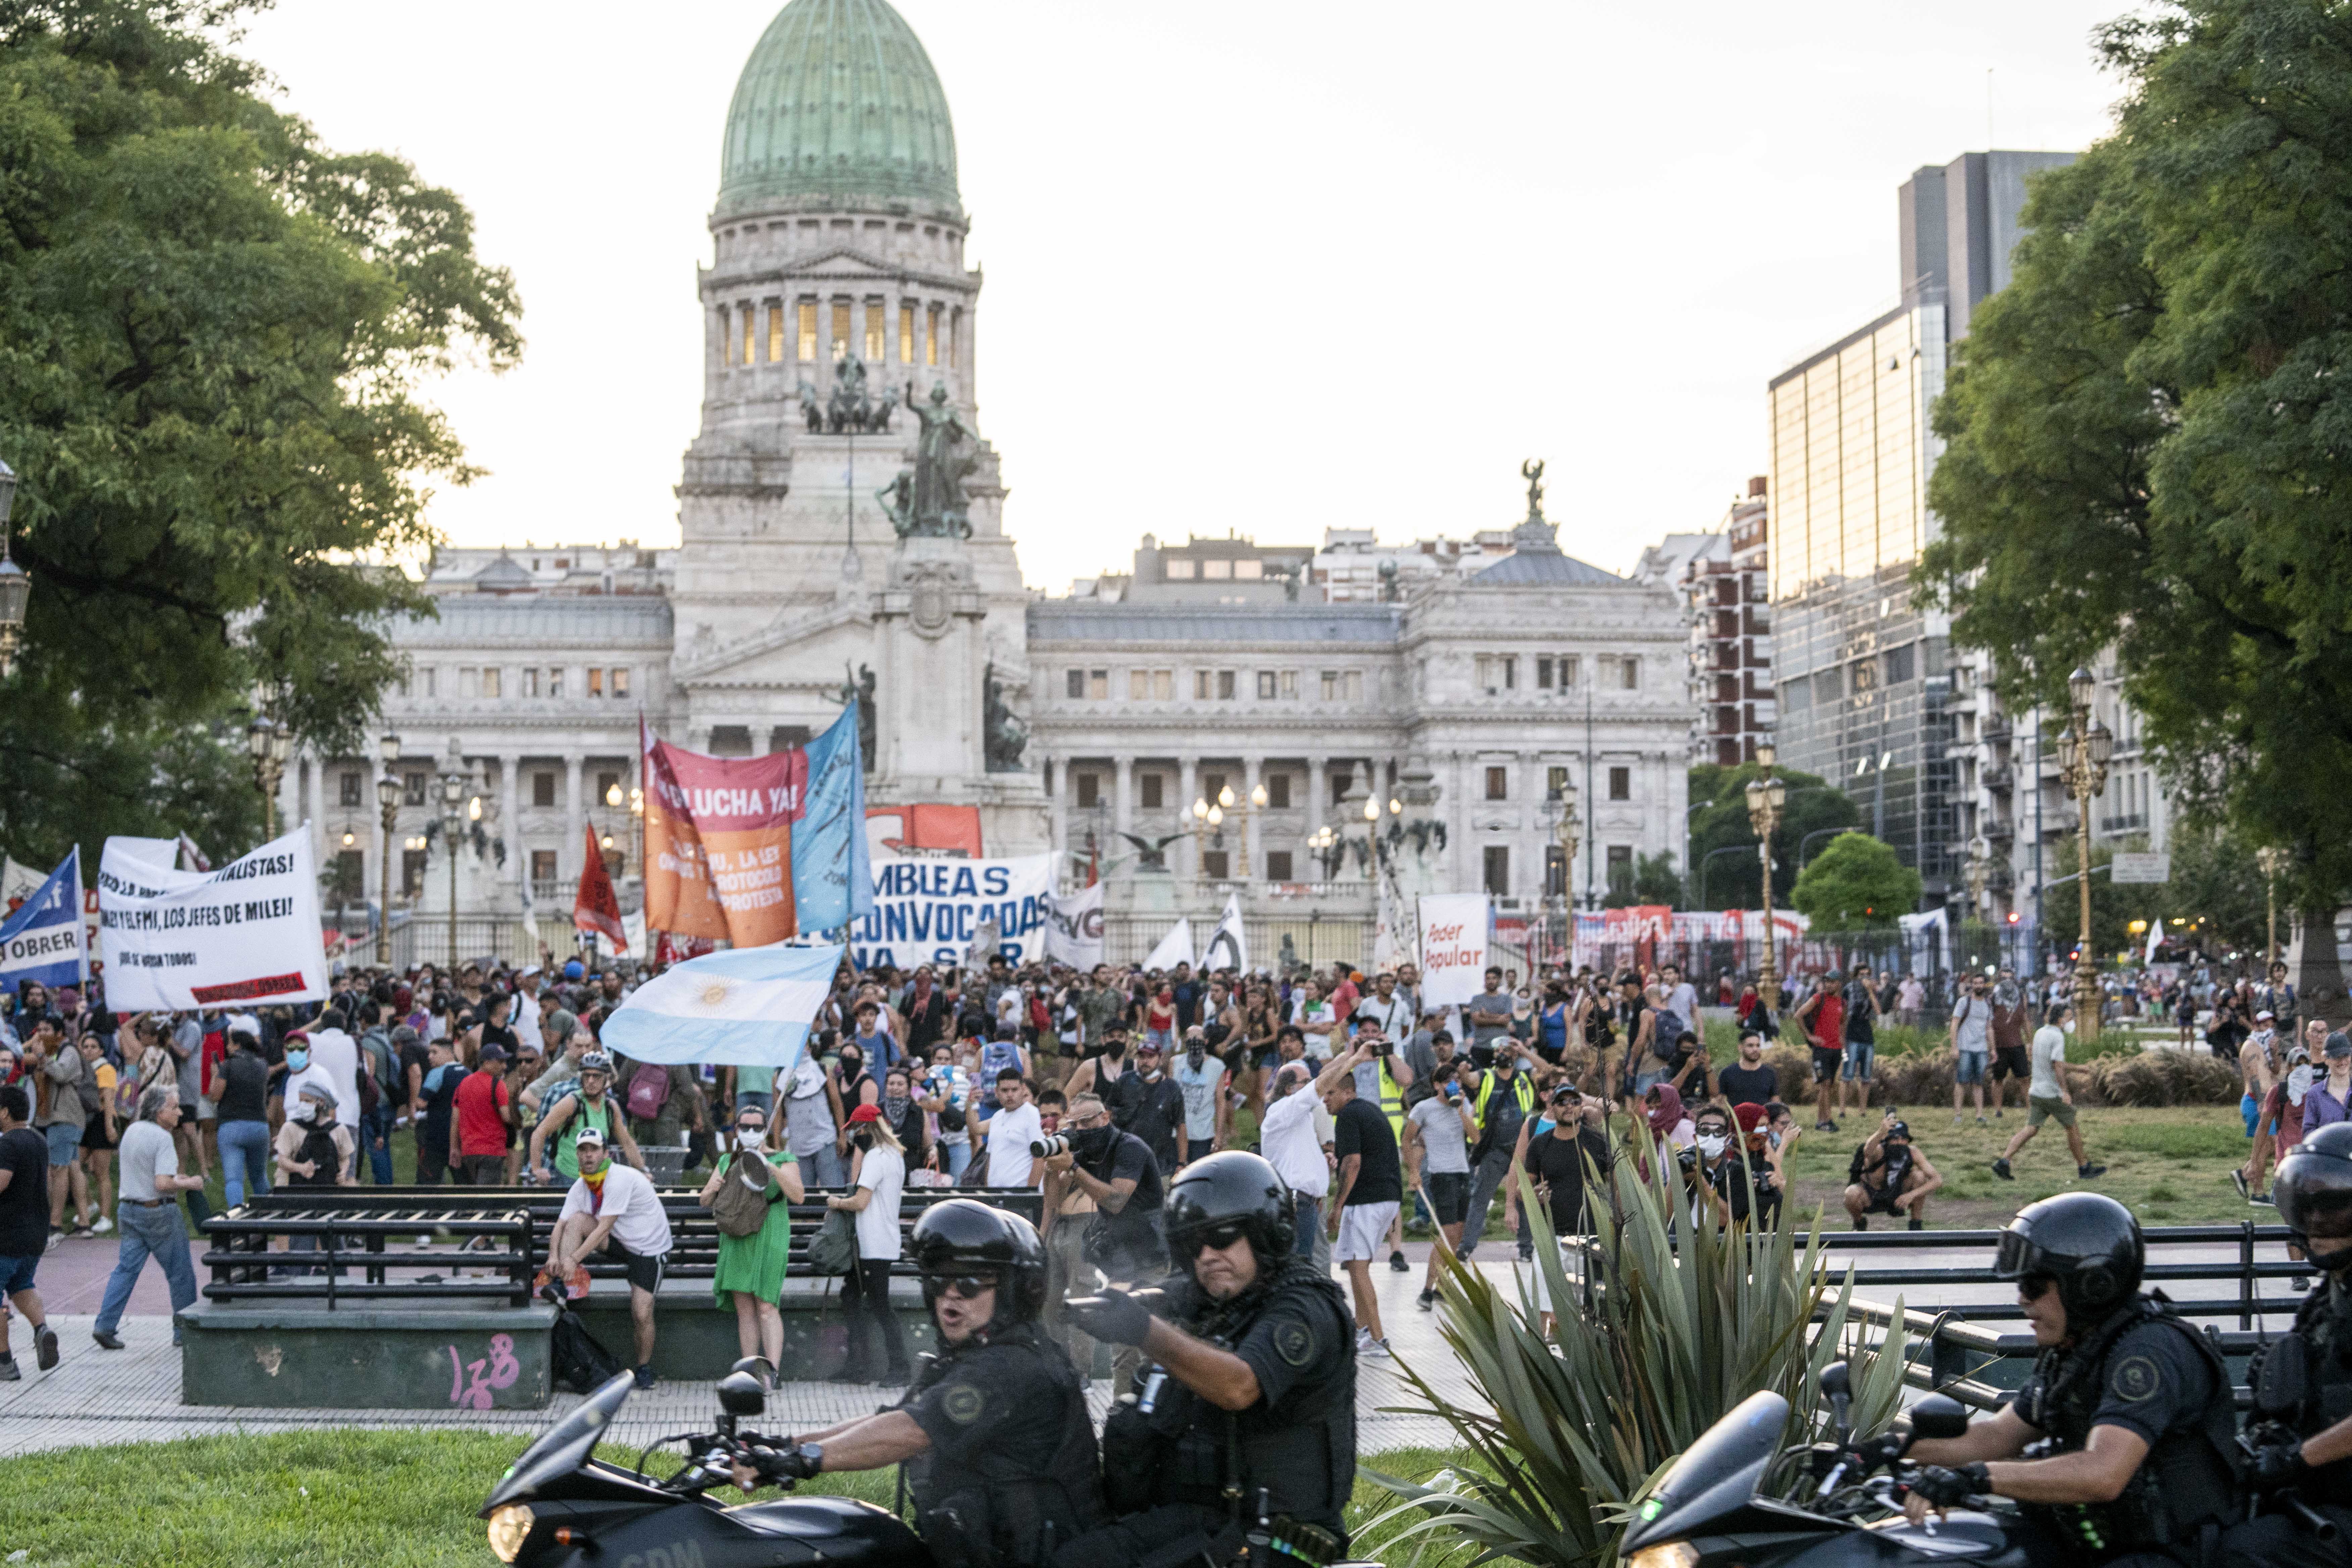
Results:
<point x="1168" y="1446"/>
<point x="2185" y="1488"/>
<point x="1001" y="1507"/>
<point x="2304" y="1381"/>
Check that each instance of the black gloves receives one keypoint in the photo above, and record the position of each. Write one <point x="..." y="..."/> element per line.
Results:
<point x="792" y="1461"/>
<point x="1114" y="1315"/>
<point x="1950" y="1487"/>
<point x="2276" y="1465"/>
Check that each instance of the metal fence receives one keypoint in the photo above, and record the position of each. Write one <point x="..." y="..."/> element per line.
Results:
<point x="1274" y="942"/>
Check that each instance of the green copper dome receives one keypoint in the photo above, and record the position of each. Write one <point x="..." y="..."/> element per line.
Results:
<point x="838" y="106"/>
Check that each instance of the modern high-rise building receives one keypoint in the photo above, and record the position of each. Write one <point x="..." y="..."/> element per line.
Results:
<point x="1862" y="677"/>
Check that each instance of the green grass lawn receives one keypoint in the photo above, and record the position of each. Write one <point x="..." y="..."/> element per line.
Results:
<point x="369" y="1499"/>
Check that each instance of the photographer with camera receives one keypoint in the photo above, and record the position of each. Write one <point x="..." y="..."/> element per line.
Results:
<point x="1890" y="1176"/>
<point x="1117" y="1174"/>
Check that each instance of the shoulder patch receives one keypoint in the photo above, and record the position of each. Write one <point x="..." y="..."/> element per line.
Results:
<point x="1293" y="1342"/>
<point x="962" y="1404"/>
<point x="2135" y="1378"/>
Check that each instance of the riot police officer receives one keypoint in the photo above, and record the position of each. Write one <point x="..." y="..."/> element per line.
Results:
<point x="2123" y="1442"/>
<point x="2299" y="1436"/>
<point x="1000" y="1453"/>
<point x="1246" y="1411"/>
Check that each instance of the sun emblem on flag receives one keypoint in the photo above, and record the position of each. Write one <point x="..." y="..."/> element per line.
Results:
<point x="714" y="993"/>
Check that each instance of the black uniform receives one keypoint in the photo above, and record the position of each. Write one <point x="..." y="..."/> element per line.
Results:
<point x="1177" y="1469"/>
<point x="2303" y="1385"/>
<point x="1011" y="1473"/>
<point x="2146" y="1371"/>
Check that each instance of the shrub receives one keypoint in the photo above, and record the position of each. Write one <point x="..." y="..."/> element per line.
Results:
<point x="1583" y="1420"/>
<point x="2160" y="1079"/>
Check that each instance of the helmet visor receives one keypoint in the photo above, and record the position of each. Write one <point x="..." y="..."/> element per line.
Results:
<point x="2314" y="1193"/>
<point x="2016" y="1258"/>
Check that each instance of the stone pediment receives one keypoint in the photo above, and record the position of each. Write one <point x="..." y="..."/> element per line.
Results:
<point x="846" y="262"/>
<point x="756" y="660"/>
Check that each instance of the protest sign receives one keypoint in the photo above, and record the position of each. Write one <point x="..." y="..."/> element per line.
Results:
<point x="719" y="843"/>
<point x="44" y="939"/>
<point x="1453" y="947"/>
<point x="928" y="911"/>
<point x="177" y="940"/>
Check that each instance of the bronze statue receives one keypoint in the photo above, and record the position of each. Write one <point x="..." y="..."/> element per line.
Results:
<point x="812" y="412"/>
<point x="1002" y="736"/>
<point x="1532" y="471"/>
<point x="859" y="688"/>
<point x="929" y="502"/>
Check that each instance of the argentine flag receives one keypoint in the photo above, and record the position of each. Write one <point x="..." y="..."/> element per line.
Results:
<point x="743" y="1008"/>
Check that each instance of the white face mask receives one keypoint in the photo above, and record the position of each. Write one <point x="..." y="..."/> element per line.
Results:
<point x="749" y="1142"/>
<point x="1712" y="1144"/>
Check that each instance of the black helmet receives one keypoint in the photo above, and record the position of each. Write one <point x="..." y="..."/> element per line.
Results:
<point x="2086" y="1243"/>
<point x="2313" y="1189"/>
<point x="965" y="1236"/>
<point x="1234" y="1186"/>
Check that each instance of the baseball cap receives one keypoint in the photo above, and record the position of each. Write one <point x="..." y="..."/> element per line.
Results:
<point x="573" y="969"/>
<point x="865" y="1113"/>
<point x="2338" y="1045"/>
<point x="2264" y="1012"/>
<point x="493" y="1052"/>
<point x="589" y="1135"/>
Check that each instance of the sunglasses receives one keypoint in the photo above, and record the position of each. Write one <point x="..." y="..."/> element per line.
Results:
<point x="750" y="1127"/>
<point x="1219" y="1237"/>
<point x="968" y="1286"/>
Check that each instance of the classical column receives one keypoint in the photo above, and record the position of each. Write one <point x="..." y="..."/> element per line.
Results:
<point x="1319" y="786"/>
<point x="1252" y="865"/>
<point x="1188" y="790"/>
<point x="510" y="817"/>
<point x="575" y="820"/>
<point x="1122" y="796"/>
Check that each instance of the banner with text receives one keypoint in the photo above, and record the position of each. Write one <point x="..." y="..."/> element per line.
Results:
<point x="43" y="938"/>
<point x="1073" y="930"/>
<point x="1453" y="947"/>
<point x="928" y="911"/>
<point x="719" y="843"/>
<point x="178" y="941"/>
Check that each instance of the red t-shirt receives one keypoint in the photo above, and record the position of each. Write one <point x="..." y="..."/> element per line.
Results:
<point x="481" y="1101"/>
<point x="1343" y="1001"/>
<point x="1829" y="1023"/>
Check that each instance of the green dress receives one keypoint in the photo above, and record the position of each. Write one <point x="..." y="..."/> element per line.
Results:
<point x="754" y="1264"/>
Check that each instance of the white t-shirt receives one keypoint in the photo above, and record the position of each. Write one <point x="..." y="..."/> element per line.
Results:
<point x="1009" y="1132"/>
<point x="2049" y="1051"/>
<point x="1286" y="1136"/>
<point x="1394" y="1015"/>
<point x="635" y="1209"/>
<point x="883" y="1169"/>
<point x="1683" y="1003"/>
<point x="336" y="1056"/>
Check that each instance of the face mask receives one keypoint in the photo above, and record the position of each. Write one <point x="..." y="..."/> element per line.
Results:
<point x="851" y="1066"/>
<point x="862" y="1137"/>
<point x="1712" y="1143"/>
<point x="1115" y="1050"/>
<point x="1195" y="1056"/>
<point x="748" y="1142"/>
<point x="1092" y="1142"/>
<point x="298" y="1060"/>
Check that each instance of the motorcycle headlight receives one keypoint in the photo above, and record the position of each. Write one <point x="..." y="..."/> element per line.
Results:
<point x="508" y="1526"/>
<point x="1672" y="1555"/>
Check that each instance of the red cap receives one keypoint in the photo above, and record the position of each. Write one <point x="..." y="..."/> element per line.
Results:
<point x="1750" y="1115"/>
<point x="865" y="1113"/>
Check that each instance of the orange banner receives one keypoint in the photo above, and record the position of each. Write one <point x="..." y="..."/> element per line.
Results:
<point x="719" y="843"/>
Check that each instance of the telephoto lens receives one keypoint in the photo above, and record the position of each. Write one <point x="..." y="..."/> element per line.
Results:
<point x="1047" y="1147"/>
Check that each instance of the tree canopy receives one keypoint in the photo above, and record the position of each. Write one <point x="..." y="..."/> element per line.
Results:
<point x="212" y="335"/>
<point x="1729" y="882"/>
<point x="2146" y="430"/>
<point x="1855" y="883"/>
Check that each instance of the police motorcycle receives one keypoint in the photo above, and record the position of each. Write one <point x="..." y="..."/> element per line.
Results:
<point x="1716" y="1507"/>
<point x="560" y="1505"/>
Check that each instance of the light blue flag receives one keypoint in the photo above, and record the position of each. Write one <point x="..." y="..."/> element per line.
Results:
<point x="746" y="1006"/>
<point x="45" y="939"/>
<point x="833" y="878"/>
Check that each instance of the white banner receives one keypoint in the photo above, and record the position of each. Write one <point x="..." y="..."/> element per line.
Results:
<point x="177" y="940"/>
<point x="1175" y="948"/>
<point x="1229" y="943"/>
<point x="930" y="911"/>
<point x="1453" y="947"/>
<point x="1074" y="929"/>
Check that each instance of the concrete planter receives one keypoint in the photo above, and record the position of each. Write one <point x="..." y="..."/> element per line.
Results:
<point x="382" y="1358"/>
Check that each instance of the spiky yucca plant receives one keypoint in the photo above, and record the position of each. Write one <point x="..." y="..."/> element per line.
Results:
<point x="1648" y="1352"/>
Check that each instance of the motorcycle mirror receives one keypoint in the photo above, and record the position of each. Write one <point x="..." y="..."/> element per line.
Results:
<point x="739" y="1394"/>
<point x="1837" y="1383"/>
<point x="1939" y="1417"/>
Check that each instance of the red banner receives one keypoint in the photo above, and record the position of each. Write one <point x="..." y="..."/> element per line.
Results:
<point x="719" y="843"/>
<point x="595" y="907"/>
<point x="926" y="828"/>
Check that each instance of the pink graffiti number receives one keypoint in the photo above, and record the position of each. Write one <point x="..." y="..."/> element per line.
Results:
<point x="498" y="1370"/>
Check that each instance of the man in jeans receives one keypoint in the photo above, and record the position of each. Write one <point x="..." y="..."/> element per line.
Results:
<point x="149" y="1214"/>
<point x="1972" y="1036"/>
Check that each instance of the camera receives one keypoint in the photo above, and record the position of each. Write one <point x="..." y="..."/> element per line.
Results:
<point x="1048" y="1147"/>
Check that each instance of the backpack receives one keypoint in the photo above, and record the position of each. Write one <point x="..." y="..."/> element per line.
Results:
<point x="833" y="1250"/>
<point x="648" y="1090"/>
<point x="575" y="1358"/>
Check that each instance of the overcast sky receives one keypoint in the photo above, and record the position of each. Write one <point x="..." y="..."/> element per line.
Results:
<point x="1272" y="267"/>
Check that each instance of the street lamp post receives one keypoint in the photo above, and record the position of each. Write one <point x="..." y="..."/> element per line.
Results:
<point x="387" y="796"/>
<point x="1980" y="873"/>
<point x="453" y="823"/>
<point x="16" y="584"/>
<point x="2272" y="860"/>
<point x="2084" y="753"/>
<point x="1209" y="821"/>
<point x="1557" y="813"/>
<point x="1766" y="798"/>
<point x="269" y="742"/>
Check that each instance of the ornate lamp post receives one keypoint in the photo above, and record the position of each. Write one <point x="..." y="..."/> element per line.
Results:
<point x="1980" y="873"/>
<point x="2272" y="860"/>
<point x="2084" y="753"/>
<point x="16" y="584"/>
<point x="269" y="742"/>
<point x="1766" y="798"/>
<point x="1209" y="821"/>
<point x="1557" y="814"/>
<point x="387" y="797"/>
<point x="453" y="823"/>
